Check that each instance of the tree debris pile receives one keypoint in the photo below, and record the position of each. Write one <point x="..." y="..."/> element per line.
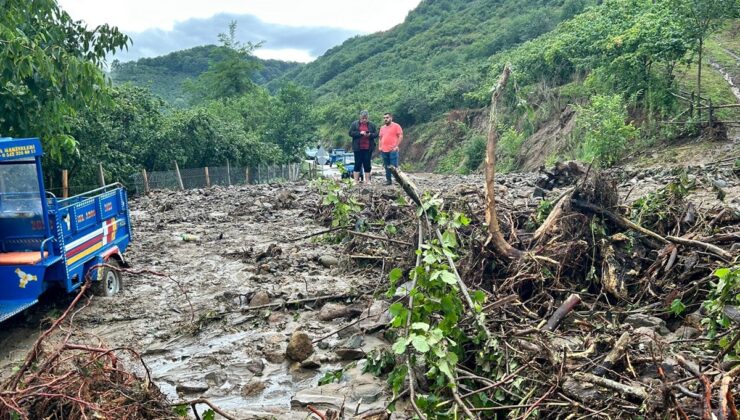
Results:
<point x="63" y="380"/>
<point x="605" y="313"/>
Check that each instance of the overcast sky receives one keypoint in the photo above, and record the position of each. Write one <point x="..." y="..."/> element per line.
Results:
<point x="293" y="30"/>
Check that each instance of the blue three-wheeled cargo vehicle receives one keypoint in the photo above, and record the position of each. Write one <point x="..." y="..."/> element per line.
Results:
<point x="48" y="242"/>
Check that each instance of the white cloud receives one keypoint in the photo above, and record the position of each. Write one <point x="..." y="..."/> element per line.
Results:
<point x="285" y="54"/>
<point x="140" y="15"/>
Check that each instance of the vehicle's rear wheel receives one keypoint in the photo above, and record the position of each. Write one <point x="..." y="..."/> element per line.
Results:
<point x="110" y="282"/>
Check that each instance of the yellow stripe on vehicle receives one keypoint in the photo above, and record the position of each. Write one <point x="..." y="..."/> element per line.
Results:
<point x="84" y="253"/>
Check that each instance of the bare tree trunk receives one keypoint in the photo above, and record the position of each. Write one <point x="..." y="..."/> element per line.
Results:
<point x="698" y="79"/>
<point x="494" y="232"/>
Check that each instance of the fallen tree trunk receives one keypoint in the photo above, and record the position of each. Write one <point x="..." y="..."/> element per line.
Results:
<point x="627" y="224"/>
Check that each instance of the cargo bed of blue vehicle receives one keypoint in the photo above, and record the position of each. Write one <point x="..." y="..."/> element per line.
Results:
<point x="8" y="308"/>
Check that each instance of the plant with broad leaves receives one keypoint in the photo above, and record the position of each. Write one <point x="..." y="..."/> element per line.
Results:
<point x="344" y="206"/>
<point x="434" y="338"/>
<point x="722" y="308"/>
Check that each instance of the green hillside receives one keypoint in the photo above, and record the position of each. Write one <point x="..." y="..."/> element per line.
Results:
<point x="165" y="75"/>
<point x="424" y="66"/>
<point x="435" y="70"/>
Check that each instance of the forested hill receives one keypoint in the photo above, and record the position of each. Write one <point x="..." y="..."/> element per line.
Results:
<point x="590" y="77"/>
<point x="165" y="75"/>
<point x="425" y="65"/>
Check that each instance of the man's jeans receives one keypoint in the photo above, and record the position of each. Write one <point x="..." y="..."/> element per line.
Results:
<point x="389" y="159"/>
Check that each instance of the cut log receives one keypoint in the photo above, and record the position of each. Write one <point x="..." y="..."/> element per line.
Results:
<point x="563" y="311"/>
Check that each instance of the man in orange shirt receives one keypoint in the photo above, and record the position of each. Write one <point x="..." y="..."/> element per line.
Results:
<point x="391" y="135"/>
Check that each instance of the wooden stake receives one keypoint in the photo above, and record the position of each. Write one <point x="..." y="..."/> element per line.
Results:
<point x="101" y="175"/>
<point x="228" y="173"/>
<point x="179" y="177"/>
<point x="65" y="183"/>
<point x="146" y="181"/>
<point x="208" y="178"/>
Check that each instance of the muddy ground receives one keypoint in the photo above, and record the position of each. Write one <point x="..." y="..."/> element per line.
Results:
<point x="226" y="250"/>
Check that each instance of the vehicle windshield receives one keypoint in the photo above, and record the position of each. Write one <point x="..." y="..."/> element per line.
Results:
<point x="19" y="190"/>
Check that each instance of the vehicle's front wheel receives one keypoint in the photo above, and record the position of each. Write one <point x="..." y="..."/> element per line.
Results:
<point x="110" y="282"/>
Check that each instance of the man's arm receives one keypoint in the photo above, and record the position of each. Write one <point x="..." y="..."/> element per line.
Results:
<point x="400" y="137"/>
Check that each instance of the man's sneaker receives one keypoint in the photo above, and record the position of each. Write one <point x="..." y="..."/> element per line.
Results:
<point x="388" y="182"/>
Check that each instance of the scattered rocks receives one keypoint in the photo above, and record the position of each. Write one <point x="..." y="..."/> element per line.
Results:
<point x="299" y="347"/>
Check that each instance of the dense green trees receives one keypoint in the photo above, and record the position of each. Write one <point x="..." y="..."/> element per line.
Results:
<point x="50" y="70"/>
<point x="615" y="59"/>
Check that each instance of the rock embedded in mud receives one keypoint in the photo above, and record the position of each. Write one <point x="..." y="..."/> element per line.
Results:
<point x="216" y="378"/>
<point x="328" y="261"/>
<point x="256" y="366"/>
<point x="313" y="362"/>
<point x="253" y="388"/>
<point x="345" y="353"/>
<point x="686" y="333"/>
<point x="259" y="299"/>
<point x="331" y="311"/>
<point x="299" y="347"/>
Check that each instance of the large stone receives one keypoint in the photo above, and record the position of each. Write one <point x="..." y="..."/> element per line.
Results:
<point x="253" y="388"/>
<point x="379" y="317"/>
<point x="216" y="379"/>
<point x="259" y="299"/>
<point x="299" y="347"/>
<point x="313" y="362"/>
<point x="345" y="353"/>
<point x="328" y="261"/>
<point x="644" y="320"/>
<point x="332" y="311"/>
<point x="686" y="333"/>
<point x="256" y="366"/>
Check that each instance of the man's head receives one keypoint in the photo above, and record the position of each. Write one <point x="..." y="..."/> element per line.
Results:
<point x="387" y="118"/>
<point x="364" y="115"/>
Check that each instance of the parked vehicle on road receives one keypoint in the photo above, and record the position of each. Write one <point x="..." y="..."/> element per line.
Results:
<point x="49" y="242"/>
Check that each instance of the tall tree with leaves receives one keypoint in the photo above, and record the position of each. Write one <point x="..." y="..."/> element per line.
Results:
<point x="705" y="16"/>
<point x="49" y="70"/>
<point x="230" y="72"/>
<point x="292" y="126"/>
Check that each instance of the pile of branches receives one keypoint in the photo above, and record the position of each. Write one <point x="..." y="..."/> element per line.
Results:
<point x="61" y="379"/>
<point x="578" y="312"/>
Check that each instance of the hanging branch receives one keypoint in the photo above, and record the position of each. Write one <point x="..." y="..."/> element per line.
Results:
<point x="495" y="237"/>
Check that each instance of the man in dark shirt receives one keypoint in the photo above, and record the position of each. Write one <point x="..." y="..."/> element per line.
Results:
<point x="363" y="133"/>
